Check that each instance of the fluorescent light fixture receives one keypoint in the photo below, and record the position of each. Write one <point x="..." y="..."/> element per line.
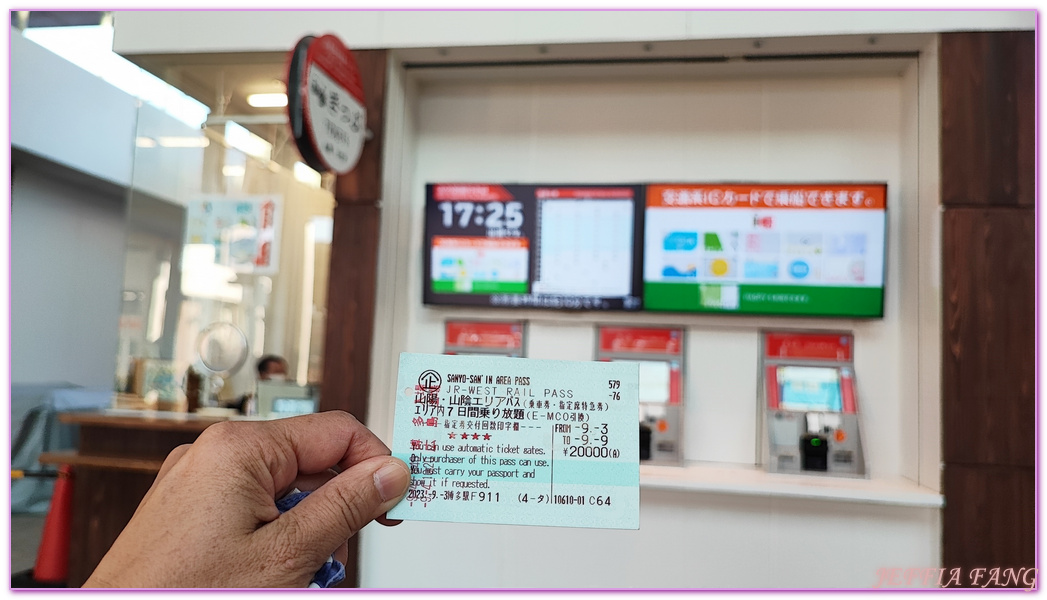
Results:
<point x="234" y="170"/>
<point x="200" y="141"/>
<point x="305" y="174"/>
<point x="267" y="100"/>
<point x="145" y="142"/>
<point x="243" y="140"/>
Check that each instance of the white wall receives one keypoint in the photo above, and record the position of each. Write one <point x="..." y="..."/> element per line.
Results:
<point x="72" y="117"/>
<point x="145" y="32"/>
<point x="68" y="238"/>
<point x="928" y="429"/>
<point x="685" y="540"/>
<point x="812" y="129"/>
<point x="69" y="116"/>
<point x="72" y="140"/>
<point x="792" y="126"/>
<point x="774" y="128"/>
<point x="67" y="261"/>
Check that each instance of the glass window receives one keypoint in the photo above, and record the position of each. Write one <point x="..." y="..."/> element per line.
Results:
<point x="224" y="229"/>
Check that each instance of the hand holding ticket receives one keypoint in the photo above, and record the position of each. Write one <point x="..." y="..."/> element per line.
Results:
<point x="518" y="441"/>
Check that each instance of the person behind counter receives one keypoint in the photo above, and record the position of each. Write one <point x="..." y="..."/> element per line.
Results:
<point x="210" y="518"/>
<point x="271" y="367"/>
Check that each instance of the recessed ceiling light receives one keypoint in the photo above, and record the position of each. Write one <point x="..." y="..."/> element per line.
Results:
<point x="267" y="100"/>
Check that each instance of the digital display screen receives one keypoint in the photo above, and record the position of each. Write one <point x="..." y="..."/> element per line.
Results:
<point x="294" y="406"/>
<point x="788" y="249"/>
<point x="534" y="246"/>
<point x="810" y="389"/>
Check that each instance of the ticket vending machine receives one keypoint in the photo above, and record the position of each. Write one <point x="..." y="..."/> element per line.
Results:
<point x="659" y="352"/>
<point x="811" y="419"/>
<point x="489" y="338"/>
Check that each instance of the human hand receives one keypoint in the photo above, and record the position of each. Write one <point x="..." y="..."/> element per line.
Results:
<point x="210" y="518"/>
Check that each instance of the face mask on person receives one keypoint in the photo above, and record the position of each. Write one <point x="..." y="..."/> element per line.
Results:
<point x="277" y="377"/>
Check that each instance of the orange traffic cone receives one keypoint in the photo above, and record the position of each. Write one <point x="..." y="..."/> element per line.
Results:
<point x="52" y="560"/>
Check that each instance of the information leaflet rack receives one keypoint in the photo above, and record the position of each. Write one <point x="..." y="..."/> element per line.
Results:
<point x="659" y="352"/>
<point x="812" y="424"/>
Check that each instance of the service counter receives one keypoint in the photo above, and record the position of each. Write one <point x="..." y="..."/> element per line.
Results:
<point x="748" y="480"/>
<point x="120" y="453"/>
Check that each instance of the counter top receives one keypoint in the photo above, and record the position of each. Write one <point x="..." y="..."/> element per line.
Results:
<point x="141" y="419"/>
<point x="691" y="477"/>
<point x="754" y="481"/>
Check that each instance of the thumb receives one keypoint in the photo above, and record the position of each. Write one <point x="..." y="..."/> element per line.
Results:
<point x="335" y="511"/>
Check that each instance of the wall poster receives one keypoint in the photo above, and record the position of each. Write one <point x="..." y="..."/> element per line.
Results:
<point x="244" y="231"/>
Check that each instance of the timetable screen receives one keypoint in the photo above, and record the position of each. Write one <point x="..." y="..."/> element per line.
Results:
<point x="570" y="247"/>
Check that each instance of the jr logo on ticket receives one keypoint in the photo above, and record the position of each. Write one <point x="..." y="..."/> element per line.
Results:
<point x="519" y="441"/>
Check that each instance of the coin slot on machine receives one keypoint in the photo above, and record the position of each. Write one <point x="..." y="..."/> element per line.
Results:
<point x="487" y="338"/>
<point x="659" y="353"/>
<point x="812" y="424"/>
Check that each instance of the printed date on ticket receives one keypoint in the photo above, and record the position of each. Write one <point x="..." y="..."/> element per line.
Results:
<point x="518" y="441"/>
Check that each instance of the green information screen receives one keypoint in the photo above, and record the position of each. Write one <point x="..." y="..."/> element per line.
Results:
<point x="815" y="250"/>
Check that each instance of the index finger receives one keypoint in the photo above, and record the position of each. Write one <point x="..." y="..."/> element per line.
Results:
<point x="328" y="439"/>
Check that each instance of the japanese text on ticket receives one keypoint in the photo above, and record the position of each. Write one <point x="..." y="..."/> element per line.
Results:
<point x="519" y="441"/>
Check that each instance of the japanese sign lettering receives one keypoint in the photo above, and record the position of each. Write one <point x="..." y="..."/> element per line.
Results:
<point x="326" y="104"/>
<point x="798" y="248"/>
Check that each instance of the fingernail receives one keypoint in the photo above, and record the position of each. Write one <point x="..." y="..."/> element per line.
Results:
<point x="392" y="480"/>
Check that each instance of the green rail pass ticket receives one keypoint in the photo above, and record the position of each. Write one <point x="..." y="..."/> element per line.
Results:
<point x="519" y="441"/>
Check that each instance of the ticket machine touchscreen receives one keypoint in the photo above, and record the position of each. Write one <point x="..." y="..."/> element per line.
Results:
<point x="659" y="353"/>
<point x="811" y="412"/>
<point x="809" y="389"/>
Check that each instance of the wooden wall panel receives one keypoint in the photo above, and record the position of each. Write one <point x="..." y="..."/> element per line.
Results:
<point x="988" y="295"/>
<point x="156" y="444"/>
<point x="990" y="520"/>
<point x="350" y="309"/>
<point x="988" y="118"/>
<point x="354" y="270"/>
<point x="105" y="498"/>
<point x="364" y="183"/>
<point x="105" y="501"/>
<point x="989" y="312"/>
<point x="354" y="258"/>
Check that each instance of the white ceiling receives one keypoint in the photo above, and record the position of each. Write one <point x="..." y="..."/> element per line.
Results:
<point x="222" y="81"/>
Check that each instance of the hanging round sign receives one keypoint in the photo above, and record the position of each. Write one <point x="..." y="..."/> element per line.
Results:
<point x="325" y="104"/>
